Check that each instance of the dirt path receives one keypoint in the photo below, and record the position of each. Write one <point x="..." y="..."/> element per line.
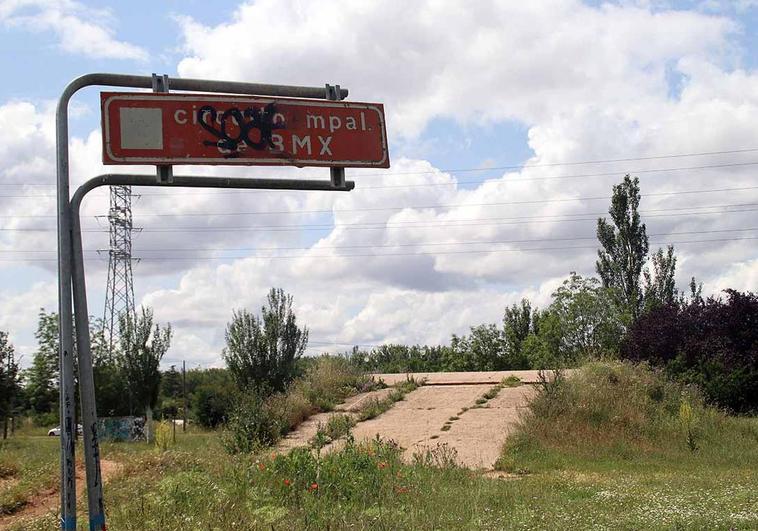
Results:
<point x="48" y="501"/>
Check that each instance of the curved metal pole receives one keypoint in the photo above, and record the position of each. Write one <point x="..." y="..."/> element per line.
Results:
<point x="81" y="313"/>
<point x="65" y="252"/>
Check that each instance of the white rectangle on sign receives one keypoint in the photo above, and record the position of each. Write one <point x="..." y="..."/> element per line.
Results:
<point x="141" y="128"/>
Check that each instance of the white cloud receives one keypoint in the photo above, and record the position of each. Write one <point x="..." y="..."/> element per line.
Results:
<point x="741" y="276"/>
<point x="588" y="83"/>
<point x="476" y="61"/>
<point x="19" y="309"/>
<point x="81" y="30"/>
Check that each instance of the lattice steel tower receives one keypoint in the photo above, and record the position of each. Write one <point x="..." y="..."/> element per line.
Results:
<point x="119" y="293"/>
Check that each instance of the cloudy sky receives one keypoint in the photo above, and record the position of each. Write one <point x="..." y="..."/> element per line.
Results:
<point x="508" y="123"/>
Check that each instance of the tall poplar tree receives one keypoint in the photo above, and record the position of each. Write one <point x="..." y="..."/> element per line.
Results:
<point x="624" y="247"/>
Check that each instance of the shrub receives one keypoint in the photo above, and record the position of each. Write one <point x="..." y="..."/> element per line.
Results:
<point x="163" y="436"/>
<point x="290" y="408"/>
<point x="212" y="404"/>
<point x="258" y="420"/>
<point x="330" y="380"/>
<point x="511" y="381"/>
<point x="337" y="426"/>
<point x="711" y="343"/>
<point x="359" y="472"/>
<point x="251" y="425"/>
<point x="441" y="456"/>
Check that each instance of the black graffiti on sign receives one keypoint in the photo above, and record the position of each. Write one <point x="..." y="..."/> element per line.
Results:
<point x="242" y="123"/>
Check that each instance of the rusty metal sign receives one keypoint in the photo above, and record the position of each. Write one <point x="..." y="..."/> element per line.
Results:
<point x="163" y="129"/>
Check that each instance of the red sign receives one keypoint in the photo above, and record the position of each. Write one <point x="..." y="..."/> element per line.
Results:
<point x="162" y="129"/>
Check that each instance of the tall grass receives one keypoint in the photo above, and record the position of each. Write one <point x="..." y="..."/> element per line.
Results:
<point x="260" y="421"/>
<point x="614" y="410"/>
<point x="27" y="466"/>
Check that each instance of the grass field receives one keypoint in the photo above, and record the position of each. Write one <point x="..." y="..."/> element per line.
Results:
<point x="607" y="475"/>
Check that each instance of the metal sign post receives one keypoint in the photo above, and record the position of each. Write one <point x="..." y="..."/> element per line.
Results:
<point x="71" y="278"/>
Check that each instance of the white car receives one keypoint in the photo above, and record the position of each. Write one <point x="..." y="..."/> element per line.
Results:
<point x="56" y="432"/>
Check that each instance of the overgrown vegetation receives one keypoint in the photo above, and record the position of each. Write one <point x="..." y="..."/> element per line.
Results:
<point x="27" y="466"/>
<point x="375" y="406"/>
<point x="711" y="343"/>
<point x="261" y="351"/>
<point x="621" y="411"/>
<point x="259" y="420"/>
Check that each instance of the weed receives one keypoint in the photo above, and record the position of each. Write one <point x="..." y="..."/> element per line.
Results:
<point x="687" y="419"/>
<point x="511" y="381"/>
<point x="163" y="435"/>
<point x="480" y="401"/>
<point x="492" y="393"/>
<point x="375" y="407"/>
<point x="441" y="456"/>
<point x="337" y="426"/>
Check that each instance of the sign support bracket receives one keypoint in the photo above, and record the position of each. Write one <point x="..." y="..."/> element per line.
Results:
<point x="337" y="174"/>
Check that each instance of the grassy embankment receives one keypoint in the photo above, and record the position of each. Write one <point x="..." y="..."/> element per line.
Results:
<point x="613" y="447"/>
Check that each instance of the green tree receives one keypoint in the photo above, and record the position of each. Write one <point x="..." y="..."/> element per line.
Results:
<point x="482" y="350"/>
<point x="171" y="383"/>
<point x="42" y="377"/>
<point x="591" y="325"/>
<point x="142" y="348"/>
<point x="542" y="347"/>
<point x="9" y="380"/>
<point x="581" y="323"/>
<point x="624" y="247"/>
<point x="517" y="324"/>
<point x="261" y="352"/>
<point x="660" y="287"/>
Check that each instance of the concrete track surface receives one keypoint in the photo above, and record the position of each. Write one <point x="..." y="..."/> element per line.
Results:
<point x="416" y="423"/>
<point x="477" y="435"/>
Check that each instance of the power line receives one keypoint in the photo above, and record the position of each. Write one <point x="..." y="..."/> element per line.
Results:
<point x="415" y="224"/>
<point x="360" y="188"/>
<point x="455" y="183"/>
<point x="498" y="203"/>
<point x="511" y="167"/>
<point x="457" y="205"/>
<point x="423" y="253"/>
<point x="226" y="214"/>
<point x="380" y="246"/>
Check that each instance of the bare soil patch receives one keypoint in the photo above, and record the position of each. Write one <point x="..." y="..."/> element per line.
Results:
<point x="48" y="501"/>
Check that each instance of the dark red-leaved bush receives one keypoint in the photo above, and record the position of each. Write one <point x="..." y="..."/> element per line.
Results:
<point x="712" y="343"/>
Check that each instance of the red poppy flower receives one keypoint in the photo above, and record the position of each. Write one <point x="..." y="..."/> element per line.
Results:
<point x="261" y="467"/>
<point x="287" y="482"/>
<point x="314" y="486"/>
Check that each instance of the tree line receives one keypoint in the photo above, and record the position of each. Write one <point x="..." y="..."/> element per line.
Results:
<point x="127" y="378"/>
<point x="632" y="309"/>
